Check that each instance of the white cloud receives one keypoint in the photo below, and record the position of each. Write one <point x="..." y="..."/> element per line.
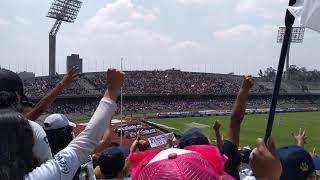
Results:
<point x="117" y="30"/>
<point x="265" y="8"/>
<point x="246" y="31"/>
<point x="268" y="30"/>
<point x="22" y="20"/>
<point x="124" y="10"/>
<point x="239" y="32"/>
<point x="4" y="21"/>
<point x="246" y="6"/>
<point x="186" y="45"/>
<point x="248" y="47"/>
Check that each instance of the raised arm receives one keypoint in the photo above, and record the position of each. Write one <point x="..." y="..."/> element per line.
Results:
<point x="134" y="145"/>
<point x="67" y="161"/>
<point x="87" y="141"/>
<point x="170" y="141"/>
<point x="49" y="98"/>
<point x="239" y="109"/>
<point x="216" y="127"/>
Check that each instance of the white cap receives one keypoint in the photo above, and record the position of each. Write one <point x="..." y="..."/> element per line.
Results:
<point x="57" y="121"/>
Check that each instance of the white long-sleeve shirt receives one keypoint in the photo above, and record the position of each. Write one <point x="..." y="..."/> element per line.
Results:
<point x="67" y="161"/>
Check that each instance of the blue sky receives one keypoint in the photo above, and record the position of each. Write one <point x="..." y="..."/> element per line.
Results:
<point x="195" y="35"/>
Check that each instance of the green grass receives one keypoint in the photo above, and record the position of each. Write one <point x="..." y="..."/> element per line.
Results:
<point x="254" y="126"/>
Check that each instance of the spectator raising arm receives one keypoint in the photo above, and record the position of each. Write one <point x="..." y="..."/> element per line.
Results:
<point x="231" y="142"/>
<point x="239" y="109"/>
<point x="170" y="141"/>
<point x="85" y="143"/>
<point x="134" y="145"/>
<point x="49" y="98"/>
<point x="67" y="161"/>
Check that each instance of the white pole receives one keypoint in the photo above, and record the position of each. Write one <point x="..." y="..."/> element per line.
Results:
<point x="121" y="108"/>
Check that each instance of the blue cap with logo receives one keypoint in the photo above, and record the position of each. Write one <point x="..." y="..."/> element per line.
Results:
<point x="296" y="163"/>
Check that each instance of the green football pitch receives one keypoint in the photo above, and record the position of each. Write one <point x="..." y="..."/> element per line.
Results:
<point x="253" y="126"/>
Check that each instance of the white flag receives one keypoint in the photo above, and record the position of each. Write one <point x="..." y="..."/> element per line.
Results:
<point x="308" y="11"/>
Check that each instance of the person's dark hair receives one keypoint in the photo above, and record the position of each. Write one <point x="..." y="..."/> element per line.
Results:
<point x="9" y="100"/>
<point x="16" y="137"/>
<point x="59" y="138"/>
<point x="144" y="147"/>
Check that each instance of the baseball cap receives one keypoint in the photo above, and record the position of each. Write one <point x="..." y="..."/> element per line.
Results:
<point x="193" y="136"/>
<point x="112" y="161"/>
<point x="296" y="162"/>
<point x="11" y="82"/>
<point x="57" y="121"/>
<point x="316" y="162"/>
<point x="193" y="162"/>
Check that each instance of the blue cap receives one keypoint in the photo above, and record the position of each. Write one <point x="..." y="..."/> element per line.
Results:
<point x="112" y="161"/>
<point x="193" y="136"/>
<point x="316" y="162"/>
<point x="296" y="163"/>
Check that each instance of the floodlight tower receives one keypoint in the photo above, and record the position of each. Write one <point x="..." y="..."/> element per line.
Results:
<point x="297" y="35"/>
<point x="61" y="10"/>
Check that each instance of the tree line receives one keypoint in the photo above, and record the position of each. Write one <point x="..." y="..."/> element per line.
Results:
<point x="295" y="73"/>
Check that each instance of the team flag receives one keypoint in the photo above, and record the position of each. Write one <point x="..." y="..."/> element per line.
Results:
<point x="308" y="11"/>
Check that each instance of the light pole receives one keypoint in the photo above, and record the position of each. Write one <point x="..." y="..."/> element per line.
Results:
<point x="60" y="10"/>
<point x="121" y="105"/>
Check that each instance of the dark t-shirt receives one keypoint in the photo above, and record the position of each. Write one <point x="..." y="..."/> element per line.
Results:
<point x="231" y="151"/>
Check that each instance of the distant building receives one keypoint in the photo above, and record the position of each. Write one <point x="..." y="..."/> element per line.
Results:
<point x="26" y="75"/>
<point x="74" y="60"/>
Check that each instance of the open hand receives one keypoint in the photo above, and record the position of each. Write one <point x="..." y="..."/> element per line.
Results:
<point x="71" y="76"/>
<point x="300" y="138"/>
<point x="216" y="125"/>
<point x="247" y="82"/>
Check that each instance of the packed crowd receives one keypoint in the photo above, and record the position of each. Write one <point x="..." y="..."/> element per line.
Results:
<point x="150" y="104"/>
<point x="38" y="87"/>
<point x="29" y="151"/>
<point x="169" y="82"/>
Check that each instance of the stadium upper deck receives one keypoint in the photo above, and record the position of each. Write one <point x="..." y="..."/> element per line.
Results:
<point x="169" y="82"/>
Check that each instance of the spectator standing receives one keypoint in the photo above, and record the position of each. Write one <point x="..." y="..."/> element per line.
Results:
<point x="59" y="130"/>
<point x="11" y="96"/>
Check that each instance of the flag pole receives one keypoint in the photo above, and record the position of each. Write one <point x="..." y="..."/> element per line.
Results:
<point x="121" y="108"/>
<point x="289" y="21"/>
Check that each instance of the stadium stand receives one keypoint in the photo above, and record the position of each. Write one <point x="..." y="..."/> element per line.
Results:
<point x="193" y="147"/>
<point x="171" y="90"/>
